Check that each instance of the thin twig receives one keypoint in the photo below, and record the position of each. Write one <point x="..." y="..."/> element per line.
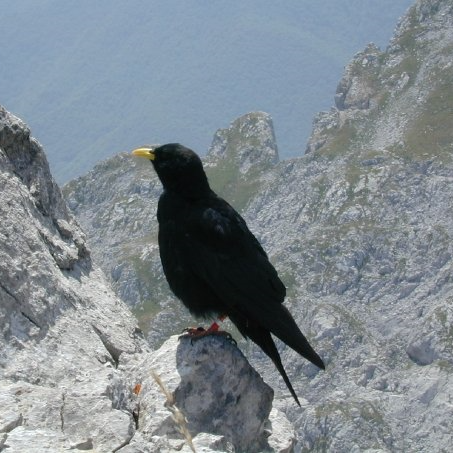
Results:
<point x="177" y="416"/>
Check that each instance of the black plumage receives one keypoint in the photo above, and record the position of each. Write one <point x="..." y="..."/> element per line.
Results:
<point x="213" y="263"/>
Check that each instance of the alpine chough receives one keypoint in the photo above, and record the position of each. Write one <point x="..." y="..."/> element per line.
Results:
<point x="213" y="263"/>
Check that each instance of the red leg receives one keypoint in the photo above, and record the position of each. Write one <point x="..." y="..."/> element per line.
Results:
<point x="195" y="333"/>
<point x="214" y="327"/>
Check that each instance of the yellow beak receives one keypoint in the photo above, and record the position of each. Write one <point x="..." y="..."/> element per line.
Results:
<point x="145" y="151"/>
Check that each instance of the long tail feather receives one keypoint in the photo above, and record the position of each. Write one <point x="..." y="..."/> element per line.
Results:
<point x="294" y="338"/>
<point x="268" y="346"/>
<point x="264" y="340"/>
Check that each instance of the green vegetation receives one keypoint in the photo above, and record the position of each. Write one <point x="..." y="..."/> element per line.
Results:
<point x="339" y="143"/>
<point x="363" y="413"/>
<point x="432" y="133"/>
<point x="444" y="318"/>
<point x="225" y="177"/>
<point x="227" y="181"/>
<point x="145" y="313"/>
<point x="288" y="277"/>
<point x="407" y="39"/>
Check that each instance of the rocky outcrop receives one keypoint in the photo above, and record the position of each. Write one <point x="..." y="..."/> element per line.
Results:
<point x="396" y="86"/>
<point x="239" y="157"/>
<point x="354" y="90"/>
<point x="63" y="330"/>
<point x="221" y="412"/>
<point x="250" y="139"/>
<point x="357" y="94"/>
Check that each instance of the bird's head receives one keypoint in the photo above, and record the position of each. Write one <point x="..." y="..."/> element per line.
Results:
<point x="179" y="168"/>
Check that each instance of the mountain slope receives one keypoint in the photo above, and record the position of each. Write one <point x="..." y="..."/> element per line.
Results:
<point x="360" y="229"/>
<point x="63" y="331"/>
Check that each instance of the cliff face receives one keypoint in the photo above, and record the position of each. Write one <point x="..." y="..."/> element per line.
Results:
<point x="360" y="230"/>
<point x="62" y="329"/>
<point x="398" y="98"/>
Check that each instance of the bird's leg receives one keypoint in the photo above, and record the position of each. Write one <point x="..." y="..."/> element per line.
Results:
<point x="195" y="333"/>
<point x="214" y="326"/>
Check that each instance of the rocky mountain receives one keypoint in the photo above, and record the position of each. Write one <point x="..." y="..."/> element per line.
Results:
<point x="360" y="229"/>
<point x="75" y="371"/>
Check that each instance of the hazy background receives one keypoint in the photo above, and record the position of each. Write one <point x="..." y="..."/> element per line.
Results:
<point x="93" y="78"/>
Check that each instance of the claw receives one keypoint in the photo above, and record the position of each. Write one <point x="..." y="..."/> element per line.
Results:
<point x="188" y="331"/>
<point x="196" y="333"/>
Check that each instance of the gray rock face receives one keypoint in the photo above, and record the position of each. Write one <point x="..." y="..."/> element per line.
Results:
<point x="71" y="352"/>
<point x="250" y="138"/>
<point x="202" y="380"/>
<point x="374" y="293"/>
<point x="62" y="329"/>
<point x="236" y="411"/>
<point x="354" y="90"/>
<point x="127" y="232"/>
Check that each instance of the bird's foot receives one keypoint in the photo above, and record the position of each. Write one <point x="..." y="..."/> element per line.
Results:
<point x="196" y="333"/>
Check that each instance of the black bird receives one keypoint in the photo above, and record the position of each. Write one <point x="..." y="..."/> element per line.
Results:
<point x="213" y="263"/>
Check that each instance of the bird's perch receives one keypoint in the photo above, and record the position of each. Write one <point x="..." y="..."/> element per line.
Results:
<point x="220" y="394"/>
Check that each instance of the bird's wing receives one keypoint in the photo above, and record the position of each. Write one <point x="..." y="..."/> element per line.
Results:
<point x="224" y="253"/>
<point x="230" y="256"/>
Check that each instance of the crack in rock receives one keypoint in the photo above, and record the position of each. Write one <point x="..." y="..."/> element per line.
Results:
<point x="63" y="398"/>
<point x="108" y="345"/>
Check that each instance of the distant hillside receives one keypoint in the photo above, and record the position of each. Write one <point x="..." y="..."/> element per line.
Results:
<point x="360" y="229"/>
<point x="95" y="78"/>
